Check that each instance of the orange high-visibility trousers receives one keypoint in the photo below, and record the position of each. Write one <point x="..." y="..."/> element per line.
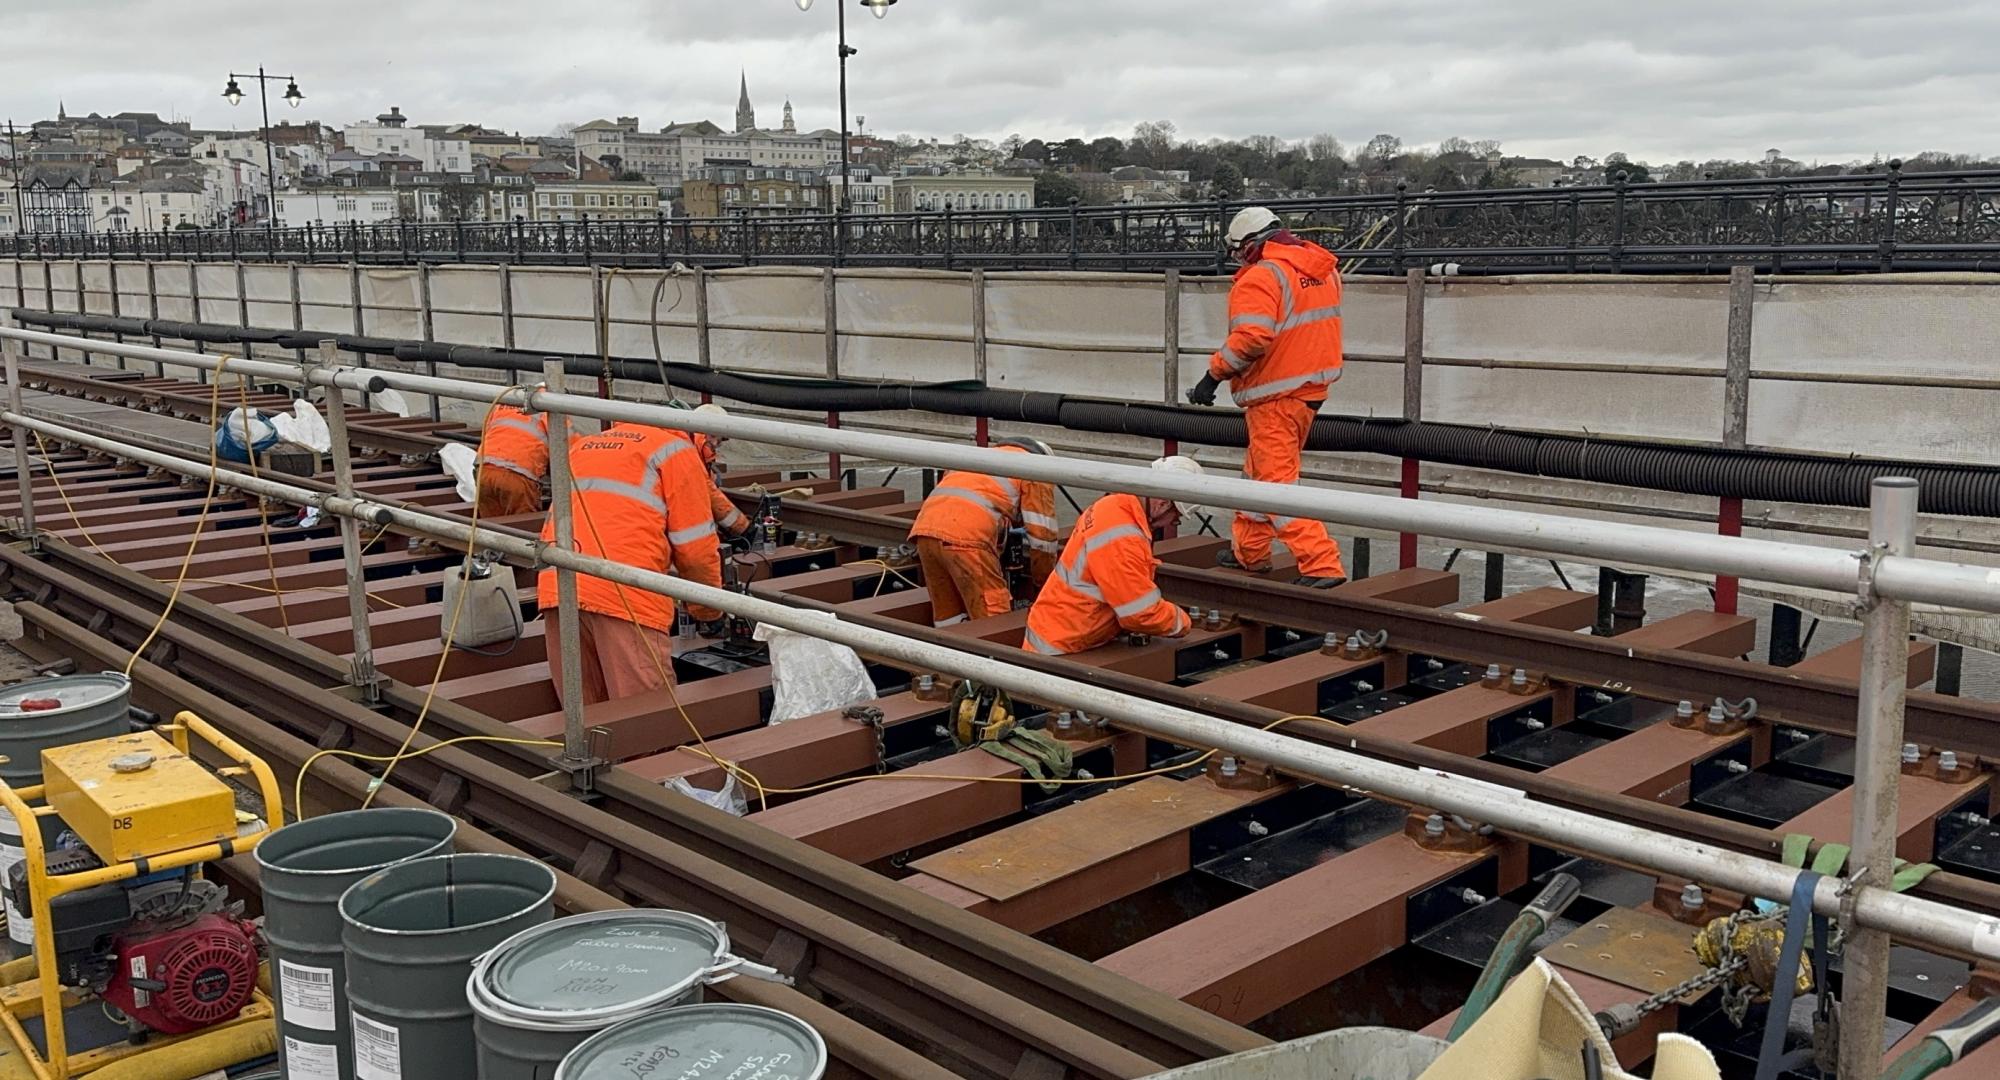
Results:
<point x="1278" y="431"/>
<point x="506" y="493"/>
<point x="965" y="581"/>
<point x="617" y="659"/>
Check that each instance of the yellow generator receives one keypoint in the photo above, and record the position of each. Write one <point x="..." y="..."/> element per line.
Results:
<point x="142" y="967"/>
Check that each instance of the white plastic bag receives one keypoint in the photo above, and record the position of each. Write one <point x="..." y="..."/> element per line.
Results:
<point x="390" y="401"/>
<point x="304" y="426"/>
<point x="460" y="463"/>
<point x="729" y="800"/>
<point x="809" y="675"/>
<point x="242" y="432"/>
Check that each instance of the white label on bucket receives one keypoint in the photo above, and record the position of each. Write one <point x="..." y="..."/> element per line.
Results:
<point x="20" y="925"/>
<point x="306" y="994"/>
<point x="311" y="1061"/>
<point x="378" y="1050"/>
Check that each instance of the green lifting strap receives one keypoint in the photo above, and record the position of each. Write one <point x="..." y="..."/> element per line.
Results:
<point x="1044" y="758"/>
<point x="1832" y="857"/>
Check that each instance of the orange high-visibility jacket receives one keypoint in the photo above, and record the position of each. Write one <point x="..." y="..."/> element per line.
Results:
<point x="516" y="441"/>
<point x="972" y="508"/>
<point x="1284" y="326"/>
<point x="1103" y="584"/>
<point x="639" y="496"/>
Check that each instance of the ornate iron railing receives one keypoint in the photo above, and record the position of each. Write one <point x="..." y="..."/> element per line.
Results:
<point x="1882" y="221"/>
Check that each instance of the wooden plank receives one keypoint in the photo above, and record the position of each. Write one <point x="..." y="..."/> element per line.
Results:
<point x="1920" y="802"/>
<point x="651" y="722"/>
<point x="1843" y="661"/>
<point x="795" y="753"/>
<point x="1556" y="609"/>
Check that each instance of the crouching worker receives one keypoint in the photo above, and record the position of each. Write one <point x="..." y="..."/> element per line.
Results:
<point x="513" y="462"/>
<point x="1104" y="582"/>
<point x="962" y="528"/>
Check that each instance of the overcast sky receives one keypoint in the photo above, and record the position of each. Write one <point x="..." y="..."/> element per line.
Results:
<point x="1828" y="80"/>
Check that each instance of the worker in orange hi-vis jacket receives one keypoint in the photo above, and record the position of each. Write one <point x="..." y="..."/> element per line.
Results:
<point x="639" y="497"/>
<point x="1104" y="582"/>
<point x="728" y="518"/>
<point x="1283" y="351"/>
<point x="962" y="528"/>
<point x="513" y="462"/>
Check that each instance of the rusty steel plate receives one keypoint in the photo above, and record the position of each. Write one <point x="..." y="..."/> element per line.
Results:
<point x="1644" y="952"/>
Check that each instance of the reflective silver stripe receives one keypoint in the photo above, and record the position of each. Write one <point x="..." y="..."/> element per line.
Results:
<point x="1284" y="288"/>
<point x="1272" y="389"/>
<point x="644" y="496"/>
<point x="1232" y="361"/>
<point x="659" y="457"/>
<point x="954" y="620"/>
<point x="1264" y="321"/>
<point x="511" y="466"/>
<point x="1035" y="642"/>
<point x="692" y="533"/>
<point x="1008" y="485"/>
<point x="1134" y="607"/>
<point x="1074" y="579"/>
<point x="970" y="496"/>
<point x="1035" y="520"/>
<point x="732" y="518"/>
<point x="1305" y="318"/>
<point x="522" y="425"/>
<point x="1043" y="545"/>
<point x="1106" y="537"/>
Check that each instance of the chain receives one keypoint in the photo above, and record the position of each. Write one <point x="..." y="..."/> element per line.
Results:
<point x="872" y="716"/>
<point x="1736" y="999"/>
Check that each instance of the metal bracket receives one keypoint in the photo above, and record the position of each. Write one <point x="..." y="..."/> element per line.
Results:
<point x="1869" y="559"/>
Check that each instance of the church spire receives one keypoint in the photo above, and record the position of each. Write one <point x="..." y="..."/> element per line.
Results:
<point x="790" y="128"/>
<point x="746" y="117"/>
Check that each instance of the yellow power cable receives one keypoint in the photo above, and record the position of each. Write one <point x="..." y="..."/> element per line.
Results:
<point x="299" y="784"/>
<point x="263" y="519"/>
<point x="884" y="579"/>
<point x="201" y="522"/>
<point x="457" y="609"/>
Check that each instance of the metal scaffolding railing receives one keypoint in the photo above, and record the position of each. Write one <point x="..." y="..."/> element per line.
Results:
<point x="1885" y="577"/>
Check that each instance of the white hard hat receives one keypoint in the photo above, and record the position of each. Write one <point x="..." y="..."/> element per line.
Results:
<point x="1249" y="223"/>
<point x="1179" y="463"/>
<point x="711" y="407"/>
<point x="1032" y="446"/>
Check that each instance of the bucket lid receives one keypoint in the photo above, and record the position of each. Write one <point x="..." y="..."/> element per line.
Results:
<point x="70" y="692"/>
<point x="717" y="1040"/>
<point x="599" y="967"/>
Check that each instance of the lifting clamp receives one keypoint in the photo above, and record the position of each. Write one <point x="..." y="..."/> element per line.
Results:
<point x="984" y="717"/>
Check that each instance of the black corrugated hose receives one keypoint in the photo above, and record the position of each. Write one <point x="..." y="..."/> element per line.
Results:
<point x="1761" y="475"/>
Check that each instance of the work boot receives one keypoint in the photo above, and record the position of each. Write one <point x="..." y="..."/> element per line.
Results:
<point x="1311" y="582"/>
<point x="1226" y="558"/>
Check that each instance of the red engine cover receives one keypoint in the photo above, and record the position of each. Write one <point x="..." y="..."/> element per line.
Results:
<point x="187" y="978"/>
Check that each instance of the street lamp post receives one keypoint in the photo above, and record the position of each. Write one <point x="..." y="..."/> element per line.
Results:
<point x="234" y="95"/>
<point x="14" y="162"/>
<point x="880" y="8"/>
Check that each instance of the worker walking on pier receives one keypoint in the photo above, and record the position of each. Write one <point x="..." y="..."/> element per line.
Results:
<point x="639" y="497"/>
<point x="962" y="528"/>
<point x="1104" y="582"/>
<point x="513" y="462"/>
<point x="1282" y="351"/>
<point x="728" y="518"/>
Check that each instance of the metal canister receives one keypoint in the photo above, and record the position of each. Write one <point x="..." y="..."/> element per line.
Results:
<point x="305" y="867"/>
<point x="38" y="715"/>
<point x="547" y="989"/>
<point x="410" y="933"/>
<point x="706" y="1040"/>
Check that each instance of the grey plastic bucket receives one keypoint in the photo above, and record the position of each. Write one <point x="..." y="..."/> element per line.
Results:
<point x="410" y="933"/>
<point x="93" y="707"/>
<point x="715" y="1040"/>
<point x="305" y="867"/>
<point x="547" y="989"/>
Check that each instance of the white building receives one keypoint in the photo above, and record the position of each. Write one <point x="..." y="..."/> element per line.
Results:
<point x="871" y="192"/>
<point x="963" y="191"/>
<point x="440" y="147"/>
<point x="149" y="205"/>
<point x="10" y="214"/>
<point x="338" y="206"/>
<point x="670" y="157"/>
<point x="238" y="188"/>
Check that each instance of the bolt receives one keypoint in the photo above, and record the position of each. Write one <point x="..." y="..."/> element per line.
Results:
<point x="1257" y="828"/>
<point x="1947" y="761"/>
<point x="1363" y="686"/>
<point x="1493" y="672"/>
<point x="1736" y="767"/>
<point x="1798" y="734"/>
<point x="1354" y="642"/>
<point x="1085" y="774"/>
<point x="1331" y="640"/>
<point x="1911" y="754"/>
<point x="1433" y="663"/>
<point x="1684" y="711"/>
<point x="941" y="732"/>
<point x="1601" y="697"/>
<point x="1194" y="612"/>
<point x="1974" y="819"/>
<point x="1063" y="722"/>
<point x="1533" y="724"/>
<point x="1520" y="679"/>
<point x="1228" y="766"/>
<point x="1691" y="897"/>
<point x="1220" y="653"/>
<point x="812" y="566"/>
<point x="1471" y="896"/>
<point x="926" y="683"/>
<point x="1434" y="825"/>
<point x="1291" y="636"/>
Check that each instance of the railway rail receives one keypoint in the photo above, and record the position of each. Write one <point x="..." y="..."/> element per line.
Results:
<point x="1262" y="902"/>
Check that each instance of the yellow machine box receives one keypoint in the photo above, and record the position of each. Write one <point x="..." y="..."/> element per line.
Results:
<point x="135" y="796"/>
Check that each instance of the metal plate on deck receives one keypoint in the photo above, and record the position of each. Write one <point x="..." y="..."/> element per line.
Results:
<point x="1643" y="952"/>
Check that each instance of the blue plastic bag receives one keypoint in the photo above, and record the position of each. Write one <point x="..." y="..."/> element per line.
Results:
<point x="244" y="431"/>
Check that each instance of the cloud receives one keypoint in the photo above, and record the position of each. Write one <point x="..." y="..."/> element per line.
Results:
<point x="1692" y="79"/>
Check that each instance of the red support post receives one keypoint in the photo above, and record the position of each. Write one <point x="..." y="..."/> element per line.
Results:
<point x="1409" y="491"/>
<point x="1169" y="448"/>
<point x="979" y="431"/>
<point x="833" y="459"/>
<point x="1728" y="522"/>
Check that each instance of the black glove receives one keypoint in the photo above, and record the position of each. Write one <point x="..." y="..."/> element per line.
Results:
<point x="711" y="628"/>
<point x="1203" y="392"/>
